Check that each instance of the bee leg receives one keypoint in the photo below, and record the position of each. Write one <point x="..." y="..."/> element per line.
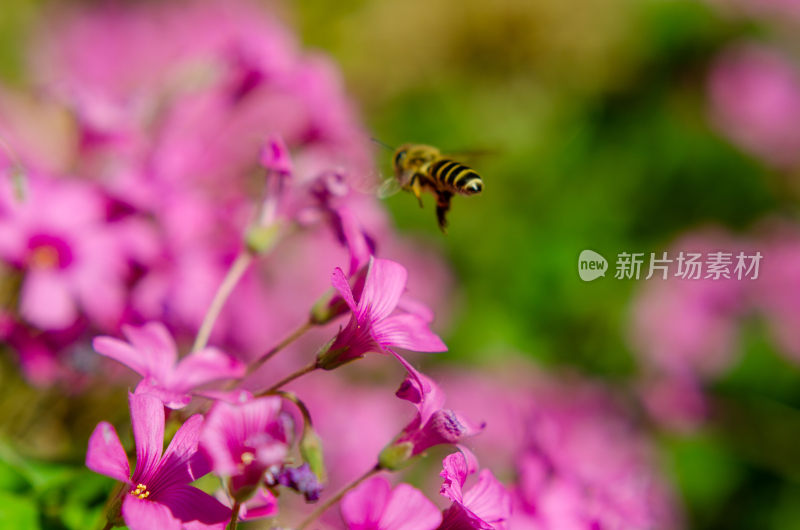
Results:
<point x="442" y="207"/>
<point x="416" y="188"/>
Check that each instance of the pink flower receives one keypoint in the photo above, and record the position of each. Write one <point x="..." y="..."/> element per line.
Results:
<point x="485" y="506"/>
<point x="151" y="353"/>
<point x="72" y="258"/>
<point x="158" y="494"/>
<point x="689" y="325"/>
<point x="243" y="439"/>
<point x="374" y="505"/>
<point x="755" y="97"/>
<point x="432" y="425"/>
<point x="372" y="327"/>
<point x="580" y="460"/>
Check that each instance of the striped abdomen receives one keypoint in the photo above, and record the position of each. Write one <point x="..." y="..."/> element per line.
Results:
<point x="455" y="176"/>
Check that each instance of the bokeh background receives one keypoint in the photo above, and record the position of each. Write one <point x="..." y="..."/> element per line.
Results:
<point x="610" y="125"/>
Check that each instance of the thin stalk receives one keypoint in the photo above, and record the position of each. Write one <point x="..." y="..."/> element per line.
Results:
<point x="235" y="273"/>
<point x="289" y="378"/>
<point x="234" y="515"/>
<point x="336" y="498"/>
<point x="293" y="336"/>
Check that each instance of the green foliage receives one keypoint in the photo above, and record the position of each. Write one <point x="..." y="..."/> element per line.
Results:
<point x="43" y="494"/>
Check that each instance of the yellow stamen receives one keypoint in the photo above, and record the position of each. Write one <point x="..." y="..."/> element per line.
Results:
<point x="140" y="491"/>
<point x="248" y="457"/>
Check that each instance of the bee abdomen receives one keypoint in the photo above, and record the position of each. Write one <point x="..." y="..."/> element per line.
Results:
<point x="456" y="176"/>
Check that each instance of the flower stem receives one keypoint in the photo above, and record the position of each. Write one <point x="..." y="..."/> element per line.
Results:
<point x="234" y="515"/>
<point x="294" y="335"/>
<point x="235" y="273"/>
<point x="289" y="378"/>
<point x="336" y="498"/>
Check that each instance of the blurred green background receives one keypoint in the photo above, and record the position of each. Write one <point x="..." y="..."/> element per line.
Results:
<point x="596" y="115"/>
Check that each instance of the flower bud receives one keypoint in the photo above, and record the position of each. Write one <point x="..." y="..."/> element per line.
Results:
<point x="396" y="456"/>
<point x="261" y="239"/>
<point x="311" y="451"/>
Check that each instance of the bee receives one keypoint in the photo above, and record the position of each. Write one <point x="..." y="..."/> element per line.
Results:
<point x="421" y="167"/>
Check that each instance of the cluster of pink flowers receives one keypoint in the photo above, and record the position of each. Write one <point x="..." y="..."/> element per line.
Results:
<point x="173" y="113"/>
<point x="206" y="192"/>
<point x="686" y="331"/>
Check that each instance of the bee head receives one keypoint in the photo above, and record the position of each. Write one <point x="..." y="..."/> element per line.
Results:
<point x="400" y="158"/>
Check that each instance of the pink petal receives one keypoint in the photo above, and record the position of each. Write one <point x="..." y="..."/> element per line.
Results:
<point x="147" y="418"/>
<point x="122" y="352"/>
<point x="46" y="300"/>
<point x="204" y="366"/>
<point x="262" y="504"/>
<point x="170" y="398"/>
<point x="154" y="342"/>
<point x="354" y="239"/>
<point x="422" y="391"/>
<point x="195" y="508"/>
<point x="386" y="281"/>
<point x="146" y="515"/>
<point x="409" y="509"/>
<point x="181" y="449"/>
<point x="339" y="281"/>
<point x="363" y="507"/>
<point x="407" y="331"/>
<point x="106" y="455"/>
<point x="488" y="499"/>
<point x="455" y="469"/>
<point x="413" y="306"/>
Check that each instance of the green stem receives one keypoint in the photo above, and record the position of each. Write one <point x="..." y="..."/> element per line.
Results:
<point x="288" y="379"/>
<point x="293" y="336"/>
<point x="336" y="498"/>
<point x="234" y="515"/>
<point x="235" y="273"/>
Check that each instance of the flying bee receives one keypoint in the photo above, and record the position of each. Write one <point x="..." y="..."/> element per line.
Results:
<point x="421" y="167"/>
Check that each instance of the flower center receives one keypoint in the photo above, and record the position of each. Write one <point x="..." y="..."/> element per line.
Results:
<point x="247" y="458"/>
<point x="140" y="491"/>
<point x="44" y="257"/>
<point x="48" y="252"/>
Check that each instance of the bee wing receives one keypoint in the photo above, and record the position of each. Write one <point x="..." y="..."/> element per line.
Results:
<point x="389" y="187"/>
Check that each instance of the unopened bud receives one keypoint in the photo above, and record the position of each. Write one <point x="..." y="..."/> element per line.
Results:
<point x="395" y="456"/>
<point x="261" y="239"/>
<point x="311" y="451"/>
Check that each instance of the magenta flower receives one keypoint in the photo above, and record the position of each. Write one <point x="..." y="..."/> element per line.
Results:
<point x="158" y="493"/>
<point x="73" y="259"/>
<point x="151" y="353"/>
<point x="374" y="505"/>
<point x="485" y="506"/>
<point x="372" y="327"/>
<point x="243" y="439"/>
<point x="432" y="425"/>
